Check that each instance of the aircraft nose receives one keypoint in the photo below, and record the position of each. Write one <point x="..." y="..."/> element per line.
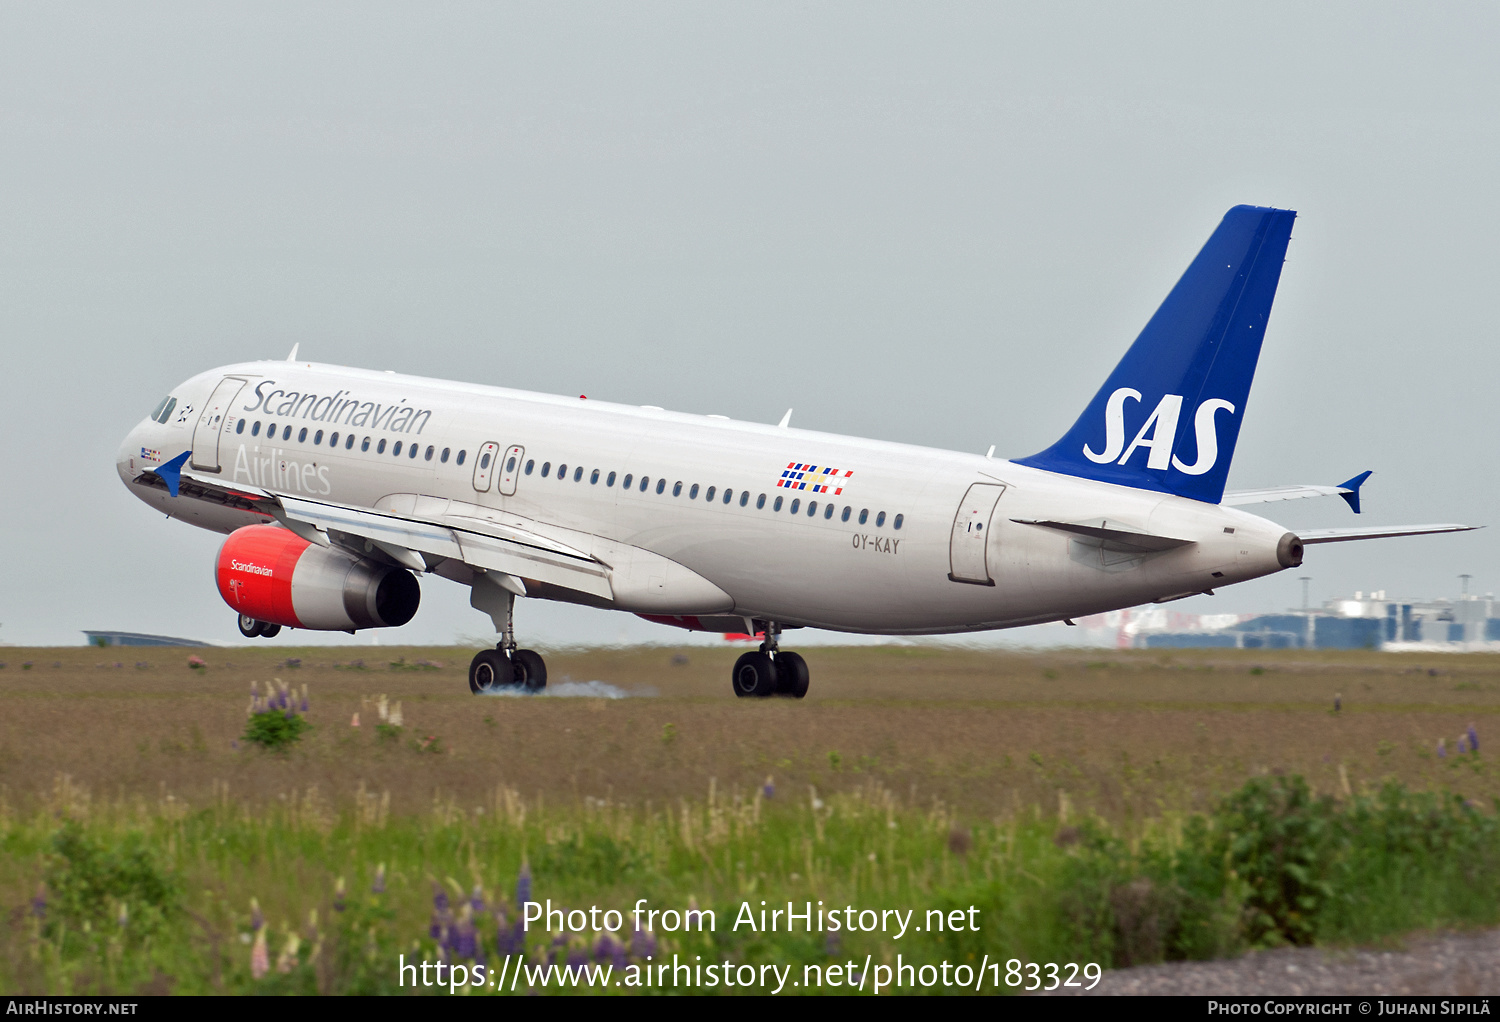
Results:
<point x="130" y="459"/>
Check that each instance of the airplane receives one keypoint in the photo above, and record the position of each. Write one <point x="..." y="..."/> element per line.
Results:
<point x="338" y="487"/>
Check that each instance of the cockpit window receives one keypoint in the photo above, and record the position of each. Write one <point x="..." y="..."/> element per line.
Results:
<point x="164" y="410"/>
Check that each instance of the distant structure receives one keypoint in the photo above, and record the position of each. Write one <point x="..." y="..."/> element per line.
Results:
<point x="1366" y="621"/>
<point x="138" y="639"/>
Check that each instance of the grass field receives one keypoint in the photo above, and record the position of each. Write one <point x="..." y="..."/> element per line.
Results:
<point x="909" y="777"/>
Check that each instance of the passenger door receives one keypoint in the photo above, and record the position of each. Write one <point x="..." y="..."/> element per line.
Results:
<point x="510" y="469"/>
<point x="968" y="546"/>
<point x="211" y="424"/>
<point x="484" y="466"/>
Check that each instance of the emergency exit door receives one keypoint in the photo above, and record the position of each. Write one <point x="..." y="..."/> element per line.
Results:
<point x="968" y="548"/>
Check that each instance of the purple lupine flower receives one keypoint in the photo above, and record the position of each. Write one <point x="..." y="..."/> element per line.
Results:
<point x="1473" y="739"/>
<point x="642" y="943"/>
<point x="378" y="887"/>
<point x="577" y="956"/>
<point x="523" y="887"/>
<point x="257" y="917"/>
<point x="768" y="789"/>
<point x="603" y="948"/>
<point x="463" y="940"/>
<point x="502" y="932"/>
<point x="832" y="945"/>
<point x="304" y="703"/>
<point x="1442" y="749"/>
<point x="39" y="902"/>
<point x="439" y="897"/>
<point x="1462" y="744"/>
<point x="476" y="899"/>
<point x="617" y="956"/>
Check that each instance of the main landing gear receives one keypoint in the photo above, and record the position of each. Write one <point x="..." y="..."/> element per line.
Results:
<point x="253" y="629"/>
<point x="770" y="671"/>
<point x="505" y="666"/>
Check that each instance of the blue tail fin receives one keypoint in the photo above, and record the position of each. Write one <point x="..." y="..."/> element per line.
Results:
<point x="1168" y="417"/>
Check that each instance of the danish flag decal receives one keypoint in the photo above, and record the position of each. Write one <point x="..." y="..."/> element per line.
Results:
<point x="1168" y="417"/>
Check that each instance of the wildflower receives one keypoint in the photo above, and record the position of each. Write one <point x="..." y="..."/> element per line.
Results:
<point x="39" y="902"/>
<point x="642" y="943"/>
<point x="523" y="887"/>
<point x="1473" y="739"/>
<point x="476" y="899"/>
<point x="577" y="956"/>
<point x="260" y="959"/>
<point x="196" y="663"/>
<point x="257" y="918"/>
<point x="355" y="721"/>
<point x="832" y="945"/>
<point x="338" y="895"/>
<point x="769" y="788"/>
<point x="1442" y="749"/>
<point x="464" y="942"/>
<point x="288" y="957"/>
<point x="378" y="887"/>
<point x="1462" y="744"/>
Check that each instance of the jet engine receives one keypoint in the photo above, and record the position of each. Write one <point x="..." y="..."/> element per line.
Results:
<point x="271" y="574"/>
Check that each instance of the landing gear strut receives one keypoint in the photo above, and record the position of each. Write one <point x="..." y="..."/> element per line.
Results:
<point x="770" y="671"/>
<point x="252" y="629"/>
<point x="505" y="666"/>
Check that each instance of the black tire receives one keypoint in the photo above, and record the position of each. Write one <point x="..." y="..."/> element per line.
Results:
<point x="794" y="675"/>
<point x="754" y="676"/>
<point x="249" y="627"/>
<point x="268" y="630"/>
<point x="488" y="672"/>
<point x="530" y="670"/>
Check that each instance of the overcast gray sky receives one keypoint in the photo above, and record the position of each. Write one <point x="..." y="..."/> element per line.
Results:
<point x="935" y="223"/>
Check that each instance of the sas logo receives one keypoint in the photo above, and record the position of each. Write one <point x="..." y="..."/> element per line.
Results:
<point x="1159" y="433"/>
<point x="150" y="454"/>
<point x="800" y="475"/>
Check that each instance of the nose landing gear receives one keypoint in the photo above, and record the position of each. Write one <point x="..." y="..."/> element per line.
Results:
<point x="769" y="671"/>
<point x="505" y="666"/>
<point x="253" y="629"/>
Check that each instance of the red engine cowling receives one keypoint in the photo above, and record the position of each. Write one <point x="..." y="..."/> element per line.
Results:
<point x="274" y="575"/>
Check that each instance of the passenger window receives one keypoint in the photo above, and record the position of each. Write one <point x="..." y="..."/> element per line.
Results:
<point x="693" y="493"/>
<point x="240" y="426"/>
<point x="318" y="437"/>
<point x="645" y="481"/>
<point x="677" y="488"/>
<point x="709" y="496"/>
<point x="880" y="519"/>
<point x="578" y="474"/>
<point x="828" y="512"/>
<point x="845" y="516"/>
<point x="349" y="443"/>
<point x="286" y="432"/>
<point x="776" y="506"/>
<point x="728" y="495"/>
<point x="812" y="508"/>
<point x="396" y="451"/>
<point x="626" y="484"/>
<point x="864" y="514"/>
<point x="760" y="502"/>
<point x="530" y="465"/>
<point x="897" y="523"/>
<point x="428" y="456"/>
<point x="333" y="441"/>
<point x="461" y="456"/>
<point x="412" y="453"/>
<point x="443" y="458"/>
<point x="255" y="429"/>
<point x="594" y="477"/>
<point x="302" y="435"/>
<point x="796" y="503"/>
<point x="546" y="469"/>
<point x="562" y="472"/>
<point x="484" y="461"/>
<point x="365" y="445"/>
<point x="609" y="480"/>
<point x="661" y="484"/>
<point x="510" y="466"/>
<point x="744" y="497"/>
<point x="271" y="431"/>
<point x="380" y="447"/>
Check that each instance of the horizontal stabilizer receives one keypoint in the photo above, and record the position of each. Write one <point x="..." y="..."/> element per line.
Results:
<point x="1386" y="532"/>
<point x="1349" y="490"/>
<point x="1113" y="534"/>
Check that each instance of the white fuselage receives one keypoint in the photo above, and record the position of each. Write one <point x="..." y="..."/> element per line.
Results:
<point x="793" y="568"/>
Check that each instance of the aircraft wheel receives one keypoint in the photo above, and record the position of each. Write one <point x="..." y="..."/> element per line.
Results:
<point x="249" y="627"/>
<point x="754" y="676"/>
<point x="530" y="670"/>
<point x="489" y="671"/>
<point x="268" y="630"/>
<point x="794" y="675"/>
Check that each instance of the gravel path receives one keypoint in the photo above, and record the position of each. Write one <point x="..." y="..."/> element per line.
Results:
<point x="1449" y="963"/>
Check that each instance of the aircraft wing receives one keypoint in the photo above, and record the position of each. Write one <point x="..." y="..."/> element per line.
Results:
<point x="1349" y="490"/>
<point x="1386" y="532"/>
